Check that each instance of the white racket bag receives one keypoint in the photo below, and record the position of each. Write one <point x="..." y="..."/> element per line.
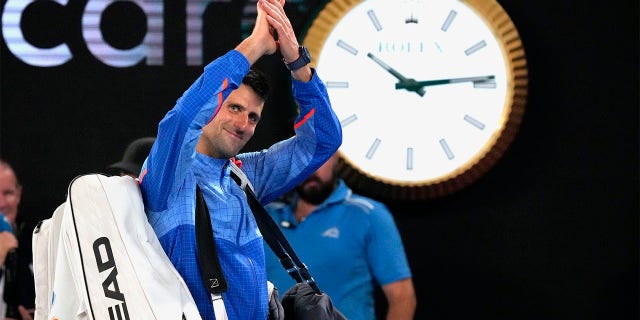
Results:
<point x="97" y="258"/>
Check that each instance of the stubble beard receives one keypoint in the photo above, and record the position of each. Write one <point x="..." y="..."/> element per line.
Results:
<point x="316" y="194"/>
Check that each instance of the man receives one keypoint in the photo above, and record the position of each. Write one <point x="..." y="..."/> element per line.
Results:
<point x="210" y="124"/>
<point x="8" y="242"/>
<point x="347" y="241"/>
<point x="17" y="287"/>
<point x="133" y="158"/>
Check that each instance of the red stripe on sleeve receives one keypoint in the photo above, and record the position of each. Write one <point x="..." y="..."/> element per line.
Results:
<point x="225" y="84"/>
<point x="306" y="117"/>
<point x="144" y="173"/>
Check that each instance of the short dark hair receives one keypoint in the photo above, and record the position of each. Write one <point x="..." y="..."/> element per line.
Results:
<point x="257" y="81"/>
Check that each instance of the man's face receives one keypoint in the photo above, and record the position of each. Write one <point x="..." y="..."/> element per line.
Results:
<point x="234" y="125"/>
<point x="320" y="184"/>
<point x="10" y="194"/>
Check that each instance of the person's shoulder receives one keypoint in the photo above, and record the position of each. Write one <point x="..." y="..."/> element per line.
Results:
<point x="280" y="203"/>
<point x="276" y="205"/>
<point x="283" y="201"/>
<point x="364" y="203"/>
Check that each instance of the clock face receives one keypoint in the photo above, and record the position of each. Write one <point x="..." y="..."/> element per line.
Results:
<point x="423" y="89"/>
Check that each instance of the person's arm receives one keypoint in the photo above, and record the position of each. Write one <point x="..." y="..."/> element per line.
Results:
<point x="177" y="134"/>
<point x="389" y="264"/>
<point x="25" y="314"/>
<point x="8" y="242"/>
<point x="401" y="299"/>
<point x="318" y="133"/>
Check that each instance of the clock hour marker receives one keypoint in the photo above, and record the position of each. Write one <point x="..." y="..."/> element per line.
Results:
<point x="485" y="84"/>
<point x="474" y="122"/>
<point x="438" y="47"/>
<point x="409" y="158"/>
<point x="373" y="148"/>
<point x="347" y="47"/>
<point x="448" y="21"/>
<point x="447" y="150"/>
<point x="337" y="84"/>
<point x="374" y="20"/>
<point x="475" y="48"/>
<point x="348" y="120"/>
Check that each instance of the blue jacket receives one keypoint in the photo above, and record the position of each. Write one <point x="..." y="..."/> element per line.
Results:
<point x="173" y="167"/>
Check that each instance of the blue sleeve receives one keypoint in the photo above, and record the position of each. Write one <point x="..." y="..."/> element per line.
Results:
<point x="4" y="224"/>
<point x="318" y="135"/>
<point x="174" y="149"/>
<point x="385" y="251"/>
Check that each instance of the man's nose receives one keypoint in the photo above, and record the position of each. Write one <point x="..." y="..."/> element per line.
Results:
<point x="241" y="122"/>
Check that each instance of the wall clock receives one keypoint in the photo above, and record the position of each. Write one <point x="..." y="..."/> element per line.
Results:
<point x="429" y="93"/>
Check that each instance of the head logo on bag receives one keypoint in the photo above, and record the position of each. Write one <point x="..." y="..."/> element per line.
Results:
<point x="111" y="280"/>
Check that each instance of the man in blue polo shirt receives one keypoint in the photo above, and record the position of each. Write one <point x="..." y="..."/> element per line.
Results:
<point x="210" y="124"/>
<point x="347" y="241"/>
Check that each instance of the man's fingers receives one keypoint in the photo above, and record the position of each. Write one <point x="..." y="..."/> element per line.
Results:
<point x="8" y="239"/>
<point x="277" y="18"/>
<point x="25" y="313"/>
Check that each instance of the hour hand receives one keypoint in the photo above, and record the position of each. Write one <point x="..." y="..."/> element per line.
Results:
<point x="413" y="85"/>
<point x="406" y="83"/>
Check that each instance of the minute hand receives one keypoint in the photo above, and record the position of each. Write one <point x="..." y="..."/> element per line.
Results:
<point x="421" y="84"/>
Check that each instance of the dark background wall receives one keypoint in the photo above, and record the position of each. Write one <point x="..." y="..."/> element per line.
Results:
<point x="551" y="232"/>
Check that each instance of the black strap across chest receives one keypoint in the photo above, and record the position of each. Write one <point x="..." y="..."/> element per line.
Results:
<point x="211" y="272"/>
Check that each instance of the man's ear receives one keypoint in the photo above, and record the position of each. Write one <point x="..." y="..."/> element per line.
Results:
<point x="19" y="193"/>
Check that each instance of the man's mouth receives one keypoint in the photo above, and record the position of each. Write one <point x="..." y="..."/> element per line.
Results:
<point x="235" y="135"/>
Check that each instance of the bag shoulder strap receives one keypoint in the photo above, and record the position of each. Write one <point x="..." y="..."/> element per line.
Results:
<point x="272" y="233"/>
<point x="210" y="270"/>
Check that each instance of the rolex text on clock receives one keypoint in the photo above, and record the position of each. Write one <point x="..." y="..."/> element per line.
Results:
<point x="430" y="93"/>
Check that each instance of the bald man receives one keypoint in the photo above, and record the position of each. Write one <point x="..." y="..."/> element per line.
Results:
<point x="18" y="297"/>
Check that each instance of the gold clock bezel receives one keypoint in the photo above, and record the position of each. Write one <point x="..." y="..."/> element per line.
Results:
<point x="507" y="36"/>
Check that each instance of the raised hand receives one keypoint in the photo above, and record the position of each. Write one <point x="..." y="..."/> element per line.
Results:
<point x="261" y="41"/>
<point x="277" y="18"/>
<point x="287" y="41"/>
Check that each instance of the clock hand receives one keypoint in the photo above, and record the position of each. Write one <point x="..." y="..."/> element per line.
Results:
<point x="406" y="83"/>
<point x="413" y="85"/>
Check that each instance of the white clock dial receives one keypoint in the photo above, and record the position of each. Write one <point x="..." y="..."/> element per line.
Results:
<point x="423" y="89"/>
